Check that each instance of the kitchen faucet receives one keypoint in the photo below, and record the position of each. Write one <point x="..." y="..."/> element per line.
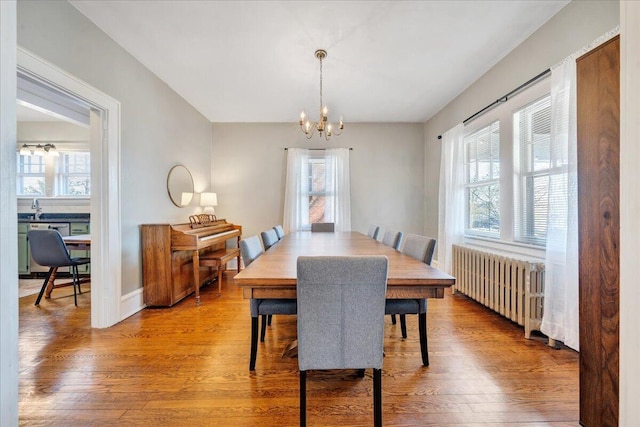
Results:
<point x="36" y="205"/>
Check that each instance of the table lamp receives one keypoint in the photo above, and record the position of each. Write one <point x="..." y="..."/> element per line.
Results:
<point x="208" y="201"/>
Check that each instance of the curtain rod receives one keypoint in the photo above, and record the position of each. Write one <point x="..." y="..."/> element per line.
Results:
<point x="505" y="98"/>
<point x="314" y="149"/>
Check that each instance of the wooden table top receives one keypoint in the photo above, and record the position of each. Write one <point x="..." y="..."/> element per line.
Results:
<point x="78" y="240"/>
<point x="276" y="268"/>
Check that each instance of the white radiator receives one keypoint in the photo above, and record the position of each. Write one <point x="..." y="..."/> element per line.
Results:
<point x="509" y="284"/>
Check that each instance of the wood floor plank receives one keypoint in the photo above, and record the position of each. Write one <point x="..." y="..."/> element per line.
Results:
<point x="187" y="365"/>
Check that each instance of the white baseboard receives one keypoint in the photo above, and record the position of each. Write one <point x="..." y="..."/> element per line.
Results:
<point x="131" y="303"/>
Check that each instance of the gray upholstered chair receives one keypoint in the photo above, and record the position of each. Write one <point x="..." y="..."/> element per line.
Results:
<point x="420" y="248"/>
<point x="48" y="249"/>
<point x="341" y="318"/>
<point x="392" y="238"/>
<point x="373" y="232"/>
<point x="323" y="227"/>
<point x="279" y="231"/>
<point x="269" y="238"/>
<point x="250" y="249"/>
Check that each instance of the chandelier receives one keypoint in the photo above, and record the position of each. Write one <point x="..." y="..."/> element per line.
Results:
<point x="323" y="124"/>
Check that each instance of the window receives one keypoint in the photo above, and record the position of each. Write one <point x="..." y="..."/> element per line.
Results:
<point x="31" y="175"/>
<point x="507" y="171"/>
<point x="532" y="133"/>
<point x="66" y="175"/>
<point x="482" y="181"/>
<point x="74" y="173"/>
<point x="317" y="189"/>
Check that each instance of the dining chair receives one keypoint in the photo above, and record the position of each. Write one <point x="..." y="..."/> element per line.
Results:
<point x="392" y="238"/>
<point x="373" y="231"/>
<point x="341" y="318"/>
<point x="269" y="238"/>
<point x="48" y="249"/>
<point x="279" y="231"/>
<point x="323" y="227"/>
<point x="250" y="249"/>
<point x="422" y="249"/>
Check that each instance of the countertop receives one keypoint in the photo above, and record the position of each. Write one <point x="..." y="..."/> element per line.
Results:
<point x="54" y="217"/>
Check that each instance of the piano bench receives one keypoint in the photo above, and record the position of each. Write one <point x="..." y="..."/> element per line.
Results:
<point x="219" y="259"/>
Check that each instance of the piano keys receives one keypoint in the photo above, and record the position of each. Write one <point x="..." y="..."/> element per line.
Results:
<point x="169" y="254"/>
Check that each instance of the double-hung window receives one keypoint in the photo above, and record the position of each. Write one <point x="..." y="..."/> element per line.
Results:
<point x="482" y="181"/>
<point x="31" y="175"/>
<point x="532" y="134"/>
<point x="74" y="173"/>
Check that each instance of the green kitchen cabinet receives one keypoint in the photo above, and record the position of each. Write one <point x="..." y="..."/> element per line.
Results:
<point x="81" y="228"/>
<point x="24" y="258"/>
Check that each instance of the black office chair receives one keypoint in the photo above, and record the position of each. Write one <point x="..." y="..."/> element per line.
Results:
<point x="48" y="249"/>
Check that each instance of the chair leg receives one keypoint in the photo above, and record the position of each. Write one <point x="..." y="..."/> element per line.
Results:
<point x="393" y="319"/>
<point x="74" y="277"/>
<point x="403" y="325"/>
<point x="44" y="286"/>
<point x="254" y="343"/>
<point x="303" y="398"/>
<point x="361" y="373"/>
<point x="269" y="317"/>
<point x="78" y="274"/>
<point x="377" y="397"/>
<point x="422" y="326"/>
<point x="263" y="329"/>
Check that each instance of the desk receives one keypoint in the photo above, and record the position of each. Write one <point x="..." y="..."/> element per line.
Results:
<point x="81" y="242"/>
<point x="274" y="275"/>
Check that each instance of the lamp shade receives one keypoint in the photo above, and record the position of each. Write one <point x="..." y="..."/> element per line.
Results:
<point x="208" y="199"/>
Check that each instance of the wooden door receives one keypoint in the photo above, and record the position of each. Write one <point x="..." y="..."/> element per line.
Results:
<point x="598" y="96"/>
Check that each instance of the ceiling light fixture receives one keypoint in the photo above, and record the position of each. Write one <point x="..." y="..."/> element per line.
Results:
<point x="322" y="125"/>
<point x="39" y="150"/>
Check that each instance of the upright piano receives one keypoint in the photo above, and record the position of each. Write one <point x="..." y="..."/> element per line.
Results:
<point x="170" y="258"/>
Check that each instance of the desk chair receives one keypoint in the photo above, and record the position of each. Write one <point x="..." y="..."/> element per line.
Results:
<point x="323" y="227"/>
<point x="420" y="248"/>
<point x="251" y="249"/>
<point x="48" y="249"/>
<point x="373" y="232"/>
<point x="269" y="238"/>
<point x="341" y="318"/>
<point x="279" y="231"/>
<point x="392" y="238"/>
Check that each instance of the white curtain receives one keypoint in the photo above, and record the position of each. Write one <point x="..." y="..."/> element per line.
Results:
<point x="560" y="320"/>
<point x="560" y="316"/>
<point x="338" y="188"/>
<point x="451" y="195"/>
<point x="296" y="194"/>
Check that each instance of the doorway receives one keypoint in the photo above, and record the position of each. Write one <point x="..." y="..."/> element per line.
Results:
<point x="103" y="115"/>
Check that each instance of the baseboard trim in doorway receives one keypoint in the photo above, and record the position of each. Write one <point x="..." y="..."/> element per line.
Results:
<point x="131" y="303"/>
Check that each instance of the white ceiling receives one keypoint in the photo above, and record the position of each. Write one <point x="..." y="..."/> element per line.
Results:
<point x="251" y="61"/>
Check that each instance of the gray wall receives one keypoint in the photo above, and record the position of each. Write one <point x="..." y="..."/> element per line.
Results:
<point x="249" y="163"/>
<point x="575" y="26"/>
<point x="158" y="128"/>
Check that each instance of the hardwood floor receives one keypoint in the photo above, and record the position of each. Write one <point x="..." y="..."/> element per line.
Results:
<point x="188" y="365"/>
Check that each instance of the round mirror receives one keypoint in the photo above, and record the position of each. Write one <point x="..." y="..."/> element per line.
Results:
<point x="180" y="185"/>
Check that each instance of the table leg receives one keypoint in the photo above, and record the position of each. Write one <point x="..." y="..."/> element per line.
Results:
<point x="52" y="278"/>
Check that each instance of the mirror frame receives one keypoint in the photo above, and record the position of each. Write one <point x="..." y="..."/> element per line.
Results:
<point x="179" y="182"/>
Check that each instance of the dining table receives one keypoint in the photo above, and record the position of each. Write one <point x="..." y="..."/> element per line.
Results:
<point x="80" y="242"/>
<point x="274" y="273"/>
